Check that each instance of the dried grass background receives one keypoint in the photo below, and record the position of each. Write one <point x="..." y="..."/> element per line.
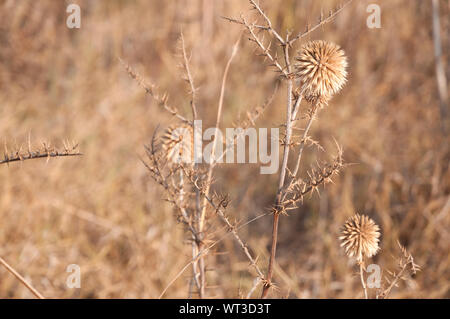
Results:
<point x="102" y="212"/>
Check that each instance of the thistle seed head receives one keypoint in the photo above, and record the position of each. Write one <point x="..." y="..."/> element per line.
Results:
<point x="178" y="142"/>
<point x="360" y="237"/>
<point x="320" y="68"/>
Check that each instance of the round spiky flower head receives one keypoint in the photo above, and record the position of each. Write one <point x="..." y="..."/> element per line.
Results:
<point x="178" y="141"/>
<point x="360" y="237"/>
<point x="320" y="68"/>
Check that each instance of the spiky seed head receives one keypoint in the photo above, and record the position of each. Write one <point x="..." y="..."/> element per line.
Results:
<point x="360" y="236"/>
<point x="178" y="142"/>
<point x="320" y="68"/>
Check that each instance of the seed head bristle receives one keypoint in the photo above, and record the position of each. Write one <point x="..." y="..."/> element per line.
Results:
<point x="360" y="237"/>
<point x="320" y="68"/>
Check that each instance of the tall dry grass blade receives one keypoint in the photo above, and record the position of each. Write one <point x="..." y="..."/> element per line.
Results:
<point x="21" y="279"/>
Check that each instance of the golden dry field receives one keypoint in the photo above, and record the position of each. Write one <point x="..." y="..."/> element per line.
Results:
<point x="136" y="226"/>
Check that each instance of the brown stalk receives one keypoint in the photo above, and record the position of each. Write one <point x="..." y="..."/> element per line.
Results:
<point x="322" y="21"/>
<point x="189" y="77"/>
<point x="363" y="283"/>
<point x="21" y="279"/>
<point x="151" y="90"/>
<point x="198" y="275"/>
<point x="263" y="48"/>
<point x="277" y="208"/>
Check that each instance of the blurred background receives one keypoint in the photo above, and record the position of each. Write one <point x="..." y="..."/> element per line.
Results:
<point x="102" y="211"/>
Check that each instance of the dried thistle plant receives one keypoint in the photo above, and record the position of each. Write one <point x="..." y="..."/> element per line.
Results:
<point x="360" y="237"/>
<point x="196" y="205"/>
<point x="187" y="185"/>
<point x="320" y="69"/>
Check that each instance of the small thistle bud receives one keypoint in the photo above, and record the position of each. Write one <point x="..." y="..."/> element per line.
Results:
<point x="320" y="68"/>
<point x="360" y="237"/>
<point x="179" y="144"/>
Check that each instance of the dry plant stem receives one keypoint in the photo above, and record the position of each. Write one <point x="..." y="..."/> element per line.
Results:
<point x="363" y="283"/>
<point x="296" y="108"/>
<point x="278" y="210"/>
<point x="322" y="22"/>
<point x="21" y="279"/>
<point x="233" y="230"/>
<point x="189" y="78"/>
<point x="264" y="49"/>
<point x="394" y="282"/>
<point x="303" y="141"/>
<point x="195" y="271"/>
<point x="44" y="153"/>
<point x="151" y="91"/>
<point x="269" y="23"/>
<point x="199" y="276"/>
<point x="406" y="263"/>
<point x="252" y="290"/>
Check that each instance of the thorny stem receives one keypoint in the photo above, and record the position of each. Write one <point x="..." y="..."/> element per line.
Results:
<point x="195" y="271"/>
<point x="404" y="265"/>
<point x="196" y="246"/>
<point x="256" y="283"/>
<point x="322" y="22"/>
<point x="277" y="208"/>
<point x="394" y="282"/>
<point x="189" y="77"/>
<point x="269" y="23"/>
<point x="162" y="181"/>
<point x="46" y="152"/>
<point x="151" y="91"/>
<point x="263" y="48"/>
